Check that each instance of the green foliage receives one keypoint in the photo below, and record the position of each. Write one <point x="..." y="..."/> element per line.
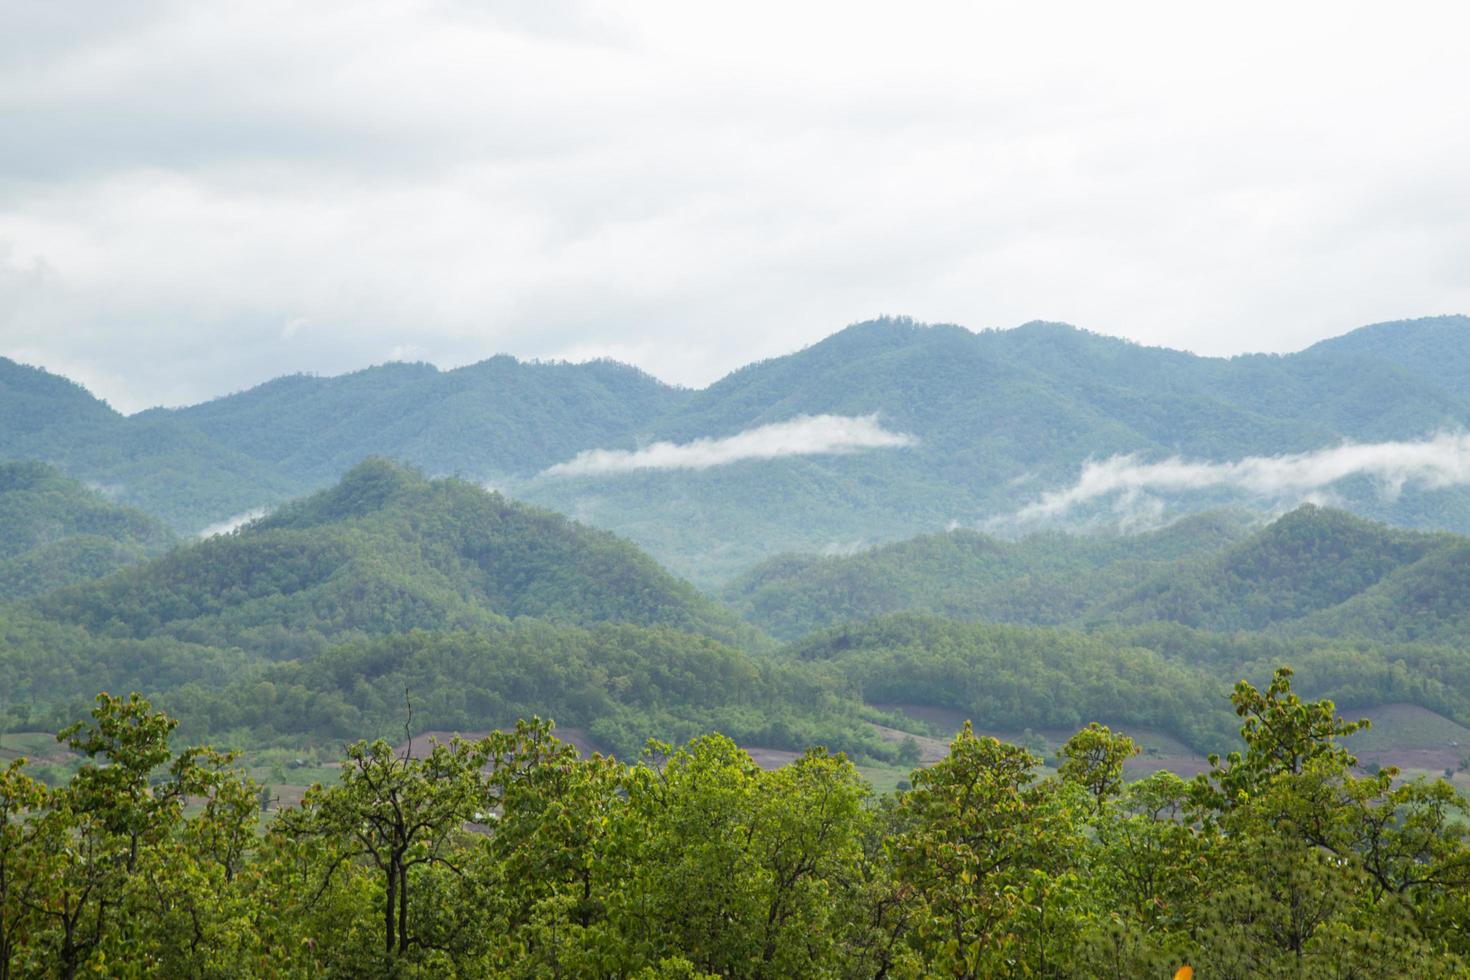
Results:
<point x="1042" y="579"/>
<point x="514" y="856"/>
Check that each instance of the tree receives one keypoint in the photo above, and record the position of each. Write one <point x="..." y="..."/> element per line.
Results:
<point x="1093" y="759"/>
<point x="398" y="813"/>
<point x="22" y="871"/>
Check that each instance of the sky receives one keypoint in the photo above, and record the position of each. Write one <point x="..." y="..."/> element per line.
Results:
<point x="198" y="196"/>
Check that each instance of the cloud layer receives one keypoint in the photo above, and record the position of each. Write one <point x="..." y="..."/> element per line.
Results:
<point x="231" y="524"/>
<point x="806" y="435"/>
<point x="1435" y="463"/>
<point x="198" y="195"/>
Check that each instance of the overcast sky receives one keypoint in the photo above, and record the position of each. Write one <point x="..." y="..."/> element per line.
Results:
<point x="198" y="196"/>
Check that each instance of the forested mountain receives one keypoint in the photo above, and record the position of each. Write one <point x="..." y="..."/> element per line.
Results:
<point x="325" y="619"/>
<point x="500" y="417"/>
<point x="1312" y="571"/>
<point x="998" y="418"/>
<point x="1040" y="579"/>
<point x="55" y="532"/>
<point x="157" y="463"/>
<point x="386" y="551"/>
<point x="1432" y="348"/>
<point x="318" y="621"/>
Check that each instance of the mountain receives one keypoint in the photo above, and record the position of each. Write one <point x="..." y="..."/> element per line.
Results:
<point x="1305" y="563"/>
<point x="55" y="532"/>
<point x="998" y="419"/>
<point x="1312" y="572"/>
<point x="156" y="463"/>
<point x="1431" y="347"/>
<point x="498" y="417"/>
<point x="386" y="551"/>
<point x="1040" y="579"/>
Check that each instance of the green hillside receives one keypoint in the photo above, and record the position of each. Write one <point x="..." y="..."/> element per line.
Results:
<point x="1307" y="561"/>
<point x="1000" y="418"/>
<point x="1314" y="571"/>
<point x="55" y="532"/>
<point x="1040" y="579"/>
<point x="386" y="551"/>
<point x="159" y="464"/>
<point x="1431" y="347"/>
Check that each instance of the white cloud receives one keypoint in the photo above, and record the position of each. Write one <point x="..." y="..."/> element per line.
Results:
<point x="230" y="524"/>
<point x="701" y="185"/>
<point x="1434" y="463"/>
<point x="806" y="435"/>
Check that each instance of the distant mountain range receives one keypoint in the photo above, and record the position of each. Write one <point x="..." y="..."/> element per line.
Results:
<point x="999" y="418"/>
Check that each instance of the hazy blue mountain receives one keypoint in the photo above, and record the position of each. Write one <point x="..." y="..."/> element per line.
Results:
<point x="155" y="462"/>
<point x="500" y="416"/>
<point x="1000" y="418"/>
<point x="1432" y="348"/>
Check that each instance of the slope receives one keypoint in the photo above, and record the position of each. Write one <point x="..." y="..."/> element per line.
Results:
<point x="1308" y="561"/>
<point x="499" y="416"/>
<point x="1000" y="418"/>
<point x="1039" y="579"/>
<point x="156" y="463"/>
<point x="386" y="551"/>
<point x="1312" y="572"/>
<point x="55" y="532"/>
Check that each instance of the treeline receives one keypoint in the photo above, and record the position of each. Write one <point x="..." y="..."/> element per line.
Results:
<point x="512" y="856"/>
<point x="622" y="684"/>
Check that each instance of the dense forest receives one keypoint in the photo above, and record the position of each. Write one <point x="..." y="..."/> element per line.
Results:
<point x="313" y="625"/>
<point x="55" y="532"/>
<point x="513" y="856"/>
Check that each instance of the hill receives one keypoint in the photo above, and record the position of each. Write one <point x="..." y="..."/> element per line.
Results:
<point x="386" y="551"/>
<point x="1304" y="563"/>
<point x="1430" y="347"/>
<point x="1314" y="571"/>
<point x="1041" y="579"/>
<point x="159" y="464"/>
<point x="55" y="532"/>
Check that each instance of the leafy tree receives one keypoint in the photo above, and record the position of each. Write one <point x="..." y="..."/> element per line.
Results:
<point x="400" y="814"/>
